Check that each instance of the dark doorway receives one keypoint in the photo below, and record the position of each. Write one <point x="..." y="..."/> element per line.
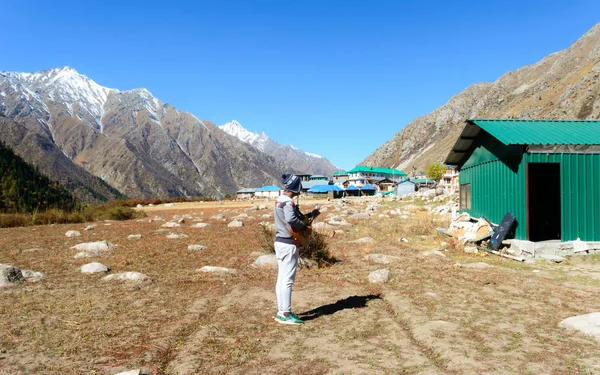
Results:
<point x="543" y="196"/>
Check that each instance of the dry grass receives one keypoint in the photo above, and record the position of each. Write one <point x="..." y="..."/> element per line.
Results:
<point x="431" y="318"/>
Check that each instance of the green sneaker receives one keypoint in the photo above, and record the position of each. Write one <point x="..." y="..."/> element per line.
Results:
<point x="288" y="319"/>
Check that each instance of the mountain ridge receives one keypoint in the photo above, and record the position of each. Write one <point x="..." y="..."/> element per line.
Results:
<point x="562" y="85"/>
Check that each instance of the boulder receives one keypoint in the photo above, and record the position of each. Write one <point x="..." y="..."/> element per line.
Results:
<point x="10" y="275"/>
<point x="95" y="247"/>
<point x="126" y="276"/>
<point x="589" y="324"/>
<point x="94" y="267"/>
<point x="265" y="261"/>
<point x="72" y="233"/>
<point x="197" y="247"/>
<point x="380" y="276"/>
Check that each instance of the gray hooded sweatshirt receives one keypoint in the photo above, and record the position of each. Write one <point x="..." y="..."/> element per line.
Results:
<point x="286" y="218"/>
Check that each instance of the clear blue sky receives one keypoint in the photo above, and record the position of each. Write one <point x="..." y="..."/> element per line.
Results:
<point x="336" y="78"/>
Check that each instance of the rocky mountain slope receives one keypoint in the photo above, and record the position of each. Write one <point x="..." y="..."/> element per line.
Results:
<point x="563" y="85"/>
<point x="129" y="139"/>
<point x="292" y="157"/>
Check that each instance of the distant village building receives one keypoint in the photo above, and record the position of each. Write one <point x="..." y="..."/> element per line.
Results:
<point x="405" y="187"/>
<point x="339" y="178"/>
<point x="363" y="175"/>
<point x="245" y="193"/>
<point x="546" y="173"/>
<point x="268" y="192"/>
<point x="449" y="180"/>
<point x="314" y="180"/>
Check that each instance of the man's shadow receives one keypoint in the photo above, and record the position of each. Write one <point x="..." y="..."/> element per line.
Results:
<point x="353" y="302"/>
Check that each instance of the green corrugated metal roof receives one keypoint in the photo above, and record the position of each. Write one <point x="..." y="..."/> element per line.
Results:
<point x="524" y="132"/>
<point x="367" y="169"/>
<point x="542" y="132"/>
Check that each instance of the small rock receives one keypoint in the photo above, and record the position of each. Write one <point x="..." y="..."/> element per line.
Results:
<point x="126" y="276"/>
<point x="10" y="275"/>
<point x="235" y="224"/>
<point x="72" y="233"/>
<point x="32" y="276"/>
<point x="201" y="225"/>
<point x="170" y="224"/>
<point x="94" y="267"/>
<point x="218" y="270"/>
<point x="360" y="215"/>
<point x="477" y="265"/>
<point x="307" y="263"/>
<point x="380" y="276"/>
<point x="381" y="258"/>
<point x="197" y="247"/>
<point x="242" y="215"/>
<point x="89" y="227"/>
<point x="471" y="250"/>
<point x="364" y="240"/>
<point x="95" y="247"/>
<point x="262" y="207"/>
<point x="134" y="237"/>
<point x="173" y="236"/>
<point x="218" y="217"/>
<point x="157" y="218"/>
<point x="266" y="260"/>
<point x="402" y="239"/>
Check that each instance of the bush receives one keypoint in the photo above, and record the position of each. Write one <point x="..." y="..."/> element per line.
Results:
<point x="316" y="249"/>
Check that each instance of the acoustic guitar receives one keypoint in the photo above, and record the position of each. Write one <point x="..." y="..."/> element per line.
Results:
<point x="302" y="237"/>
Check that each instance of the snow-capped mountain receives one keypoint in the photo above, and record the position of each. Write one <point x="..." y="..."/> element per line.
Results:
<point x="130" y="139"/>
<point x="289" y="155"/>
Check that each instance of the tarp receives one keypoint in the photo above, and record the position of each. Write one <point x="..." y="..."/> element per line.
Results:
<point x="323" y="189"/>
<point x="367" y="187"/>
<point x="269" y="188"/>
<point x="351" y="187"/>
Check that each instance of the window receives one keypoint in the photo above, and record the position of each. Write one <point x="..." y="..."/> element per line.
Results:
<point x="465" y="197"/>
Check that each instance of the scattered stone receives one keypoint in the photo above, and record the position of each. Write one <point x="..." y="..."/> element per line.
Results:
<point x="218" y="270"/>
<point x="33" y="249"/>
<point x="72" y="233"/>
<point x="139" y="206"/>
<point x="169" y="204"/>
<point x="444" y="244"/>
<point x="180" y="220"/>
<point x="477" y="265"/>
<point x="553" y="258"/>
<point x="364" y="240"/>
<point x="32" y="276"/>
<point x="97" y="246"/>
<point x="157" y="218"/>
<point x="218" y="217"/>
<point x="360" y="215"/>
<point x="235" y="224"/>
<point x="252" y="208"/>
<point x="201" y="225"/>
<point x="266" y="261"/>
<point x="126" y="276"/>
<point x="86" y="254"/>
<point x="471" y="250"/>
<point x="197" y="247"/>
<point x="10" y="275"/>
<point x="381" y="258"/>
<point x="134" y="237"/>
<point x="139" y="371"/>
<point x="170" y="224"/>
<point x="433" y="252"/>
<point x="173" y="236"/>
<point x="588" y="324"/>
<point x="384" y="216"/>
<point x="262" y="207"/>
<point x="266" y="216"/>
<point x="403" y="217"/>
<point x="339" y="223"/>
<point x="89" y="227"/>
<point x="536" y="271"/>
<point x="380" y="276"/>
<point x="94" y="267"/>
<point x="402" y="239"/>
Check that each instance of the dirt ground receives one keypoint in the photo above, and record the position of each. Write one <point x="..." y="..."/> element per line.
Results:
<point x="436" y="316"/>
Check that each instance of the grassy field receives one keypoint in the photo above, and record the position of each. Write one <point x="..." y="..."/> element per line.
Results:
<point x="436" y="316"/>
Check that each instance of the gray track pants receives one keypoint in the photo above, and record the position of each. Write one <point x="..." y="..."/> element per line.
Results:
<point x="287" y="260"/>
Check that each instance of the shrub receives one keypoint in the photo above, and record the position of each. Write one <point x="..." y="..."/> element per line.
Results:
<point x="316" y="249"/>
